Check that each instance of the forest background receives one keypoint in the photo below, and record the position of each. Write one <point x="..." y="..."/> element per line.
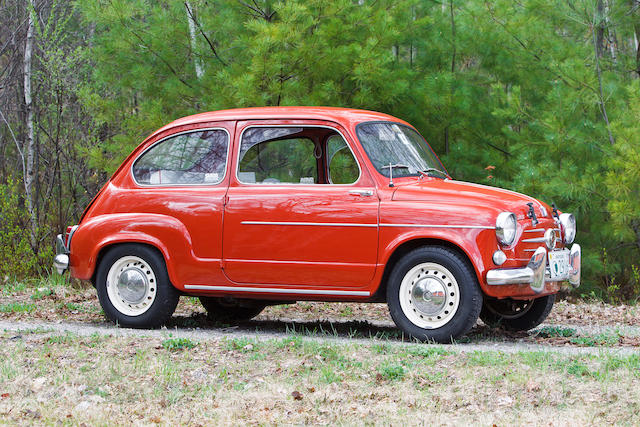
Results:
<point x="538" y="96"/>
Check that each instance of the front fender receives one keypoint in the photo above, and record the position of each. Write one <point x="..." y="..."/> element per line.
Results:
<point x="476" y="244"/>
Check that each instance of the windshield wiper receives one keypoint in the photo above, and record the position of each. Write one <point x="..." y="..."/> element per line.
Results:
<point x="425" y="172"/>
<point x="391" y="167"/>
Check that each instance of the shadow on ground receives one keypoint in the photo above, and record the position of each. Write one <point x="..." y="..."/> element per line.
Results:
<point x="340" y="329"/>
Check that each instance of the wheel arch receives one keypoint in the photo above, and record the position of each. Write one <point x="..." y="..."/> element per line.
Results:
<point x="407" y="246"/>
<point x="108" y="246"/>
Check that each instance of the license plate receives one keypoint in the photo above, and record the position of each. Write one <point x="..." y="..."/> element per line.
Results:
<point x="559" y="264"/>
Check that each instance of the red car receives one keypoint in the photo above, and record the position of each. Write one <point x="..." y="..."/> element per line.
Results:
<point x="251" y="207"/>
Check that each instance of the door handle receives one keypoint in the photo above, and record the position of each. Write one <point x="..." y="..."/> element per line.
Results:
<point x="364" y="193"/>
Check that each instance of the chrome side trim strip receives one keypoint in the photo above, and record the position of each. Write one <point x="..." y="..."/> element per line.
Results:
<point x="277" y="290"/>
<point x="323" y="224"/>
<point x="534" y="230"/>
<point x="348" y="224"/>
<point x="534" y="240"/>
<point x="480" y="227"/>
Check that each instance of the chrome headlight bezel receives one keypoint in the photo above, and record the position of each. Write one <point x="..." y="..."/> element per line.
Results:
<point x="506" y="228"/>
<point x="569" y="228"/>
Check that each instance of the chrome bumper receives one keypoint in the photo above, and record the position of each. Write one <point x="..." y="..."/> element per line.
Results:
<point x="61" y="260"/>
<point x="536" y="272"/>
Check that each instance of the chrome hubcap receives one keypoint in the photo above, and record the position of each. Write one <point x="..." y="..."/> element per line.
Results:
<point x="429" y="295"/>
<point x="131" y="285"/>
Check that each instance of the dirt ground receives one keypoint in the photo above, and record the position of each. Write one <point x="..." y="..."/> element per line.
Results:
<point x="579" y="323"/>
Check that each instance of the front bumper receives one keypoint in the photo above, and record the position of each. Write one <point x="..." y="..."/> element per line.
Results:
<point x="536" y="273"/>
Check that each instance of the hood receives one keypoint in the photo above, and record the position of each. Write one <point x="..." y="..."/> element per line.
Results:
<point x="438" y="191"/>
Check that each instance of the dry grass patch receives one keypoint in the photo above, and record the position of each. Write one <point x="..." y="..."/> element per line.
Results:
<point x="49" y="378"/>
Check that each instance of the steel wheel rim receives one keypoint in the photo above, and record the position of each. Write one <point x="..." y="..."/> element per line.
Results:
<point x="429" y="295"/>
<point x="131" y="285"/>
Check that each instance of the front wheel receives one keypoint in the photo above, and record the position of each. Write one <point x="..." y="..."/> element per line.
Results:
<point x="433" y="294"/>
<point x="134" y="288"/>
<point x="516" y="315"/>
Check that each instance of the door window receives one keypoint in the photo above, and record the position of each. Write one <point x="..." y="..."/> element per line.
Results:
<point x="277" y="155"/>
<point x="295" y="155"/>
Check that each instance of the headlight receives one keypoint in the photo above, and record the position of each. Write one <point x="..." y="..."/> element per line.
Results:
<point x="506" y="226"/>
<point x="568" y="222"/>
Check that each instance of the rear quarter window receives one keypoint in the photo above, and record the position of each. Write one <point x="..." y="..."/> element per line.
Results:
<point x="193" y="158"/>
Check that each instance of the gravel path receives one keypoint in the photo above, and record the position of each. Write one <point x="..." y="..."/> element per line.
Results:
<point x="198" y="334"/>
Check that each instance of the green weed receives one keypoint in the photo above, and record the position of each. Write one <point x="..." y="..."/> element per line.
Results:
<point x="242" y="344"/>
<point x="391" y="372"/>
<point x="60" y="339"/>
<point x="17" y="307"/>
<point x="556" y="331"/>
<point x="601" y="339"/>
<point x="41" y="293"/>
<point x="578" y="369"/>
<point x="174" y="344"/>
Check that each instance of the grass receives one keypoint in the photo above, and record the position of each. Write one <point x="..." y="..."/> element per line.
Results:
<point x="600" y="339"/>
<point x="17" y="307"/>
<point x="41" y="293"/>
<point x="391" y="372"/>
<point x="48" y="378"/>
<point x="174" y="344"/>
<point x="556" y="331"/>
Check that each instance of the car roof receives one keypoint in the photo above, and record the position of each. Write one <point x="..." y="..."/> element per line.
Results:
<point x="335" y="114"/>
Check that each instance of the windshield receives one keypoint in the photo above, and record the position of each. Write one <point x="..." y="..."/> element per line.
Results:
<point x="398" y="147"/>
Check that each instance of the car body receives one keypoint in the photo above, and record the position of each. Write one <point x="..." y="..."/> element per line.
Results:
<point x="254" y="206"/>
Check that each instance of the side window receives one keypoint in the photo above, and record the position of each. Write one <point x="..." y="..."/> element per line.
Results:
<point x="342" y="166"/>
<point x="191" y="158"/>
<point x="278" y="155"/>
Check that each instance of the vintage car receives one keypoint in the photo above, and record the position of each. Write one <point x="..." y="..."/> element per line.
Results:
<point x="252" y="207"/>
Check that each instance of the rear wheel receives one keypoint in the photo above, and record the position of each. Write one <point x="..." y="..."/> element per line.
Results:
<point x="134" y="288"/>
<point x="229" y="309"/>
<point x="433" y="294"/>
<point x="516" y="315"/>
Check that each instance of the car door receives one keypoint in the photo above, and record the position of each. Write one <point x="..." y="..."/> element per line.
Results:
<point x="285" y="222"/>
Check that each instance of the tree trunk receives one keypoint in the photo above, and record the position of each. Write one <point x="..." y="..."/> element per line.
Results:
<point x="191" y="19"/>
<point x="29" y="149"/>
<point x="599" y="21"/>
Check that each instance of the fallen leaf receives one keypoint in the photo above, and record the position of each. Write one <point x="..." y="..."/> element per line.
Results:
<point x="4" y="395"/>
<point x="311" y="389"/>
<point x="32" y="414"/>
<point x="533" y="386"/>
<point x="296" y="395"/>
